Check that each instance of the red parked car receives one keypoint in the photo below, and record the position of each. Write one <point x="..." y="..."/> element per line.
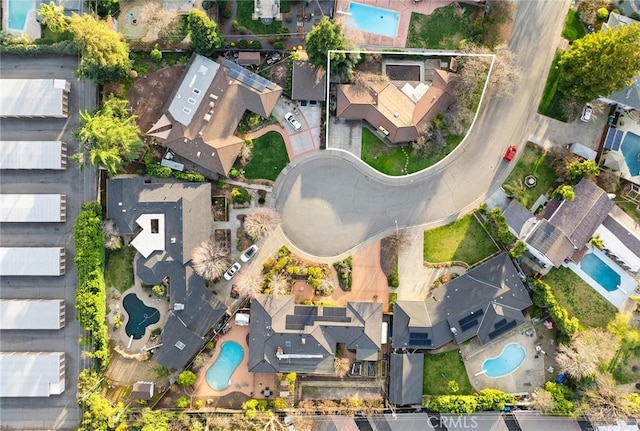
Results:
<point x="511" y="152"/>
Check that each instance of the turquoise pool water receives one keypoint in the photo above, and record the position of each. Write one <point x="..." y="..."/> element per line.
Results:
<point x="17" y="11"/>
<point x="219" y="374"/>
<point x="374" y="19"/>
<point x="631" y="152"/>
<point x="602" y="273"/>
<point x="510" y="359"/>
<point x="140" y="316"/>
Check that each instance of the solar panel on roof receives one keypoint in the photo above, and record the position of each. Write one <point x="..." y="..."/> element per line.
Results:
<point x="497" y="332"/>
<point x="247" y="77"/>
<point x="471" y="317"/>
<point x="617" y="140"/>
<point x="334" y="311"/>
<point x="303" y="310"/>
<point x="419" y="339"/>
<point x="468" y="325"/>
<point x="608" y="143"/>
<point x="294" y="323"/>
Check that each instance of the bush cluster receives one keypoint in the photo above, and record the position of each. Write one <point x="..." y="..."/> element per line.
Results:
<point x="155" y="170"/>
<point x="485" y="400"/>
<point x="543" y="297"/>
<point x="91" y="307"/>
<point x="292" y="266"/>
<point x="240" y="196"/>
<point x="496" y="225"/>
<point x="344" y="268"/>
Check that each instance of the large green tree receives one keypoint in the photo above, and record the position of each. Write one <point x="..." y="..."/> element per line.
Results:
<point x="109" y="135"/>
<point x="52" y="16"/>
<point x="326" y="36"/>
<point x="601" y="63"/>
<point x="205" y="36"/>
<point x="105" y="55"/>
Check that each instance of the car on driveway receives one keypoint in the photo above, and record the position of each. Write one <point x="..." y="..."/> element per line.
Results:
<point x="249" y="253"/>
<point x="510" y="153"/>
<point x="293" y="121"/>
<point x="586" y="113"/>
<point x="233" y="269"/>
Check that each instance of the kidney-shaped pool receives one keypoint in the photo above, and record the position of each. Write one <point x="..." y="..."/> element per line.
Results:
<point x="511" y="357"/>
<point x="219" y="374"/>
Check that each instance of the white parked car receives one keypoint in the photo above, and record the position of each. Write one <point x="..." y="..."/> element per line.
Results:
<point x="293" y="121"/>
<point x="249" y="253"/>
<point x="586" y="113"/>
<point x="233" y="269"/>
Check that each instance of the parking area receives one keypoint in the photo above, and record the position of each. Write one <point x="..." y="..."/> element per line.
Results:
<point x="58" y="411"/>
<point x="306" y="139"/>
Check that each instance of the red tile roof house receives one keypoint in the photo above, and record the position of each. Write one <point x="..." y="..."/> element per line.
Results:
<point x="203" y="112"/>
<point x="399" y="110"/>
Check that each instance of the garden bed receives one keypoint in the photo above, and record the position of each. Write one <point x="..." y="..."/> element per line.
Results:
<point x="220" y="208"/>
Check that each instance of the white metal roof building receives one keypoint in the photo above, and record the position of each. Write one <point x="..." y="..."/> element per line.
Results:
<point x="33" y="155"/>
<point x="32" y="314"/>
<point x="31" y="374"/>
<point x="42" y="208"/>
<point x="34" y="98"/>
<point x="34" y="261"/>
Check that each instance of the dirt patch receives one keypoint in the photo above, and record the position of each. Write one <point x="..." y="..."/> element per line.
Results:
<point x="388" y="254"/>
<point x="372" y="64"/>
<point x="405" y="72"/>
<point x="278" y="73"/>
<point x="150" y="93"/>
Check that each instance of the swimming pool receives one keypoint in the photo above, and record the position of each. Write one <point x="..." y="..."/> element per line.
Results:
<point x="373" y="19"/>
<point x="140" y="316"/>
<point x="511" y="357"/>
<point x="219" y="374"/>
<point x="602" y="273"/>
<point x="18" y="11"/>
<point x="631" y="152"/>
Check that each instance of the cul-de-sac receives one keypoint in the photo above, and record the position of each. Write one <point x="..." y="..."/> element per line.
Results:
<point x="320" y="215"/>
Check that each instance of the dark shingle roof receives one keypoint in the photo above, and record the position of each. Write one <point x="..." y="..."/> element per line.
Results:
<point x="309" y="82"/>
<point x="309" y="333"/>
<point x="516" y="216"/>
<point x="465" y="306"/>
<point x="405" y="384"/>
<point x="550" y="241"/>
<point x="187" y="213"/>
<point x="624" y="233"/>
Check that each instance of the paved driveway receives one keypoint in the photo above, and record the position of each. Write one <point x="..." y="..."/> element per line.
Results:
<point x="331" y="202"/>
<point x="307" y="139"/>
<point x="57" y="412"/>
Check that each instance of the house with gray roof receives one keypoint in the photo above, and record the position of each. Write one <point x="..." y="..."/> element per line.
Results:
<point x="405" y="384"/>
<point x="168" y="220"/>
<point x="309" y="82"/>
<point x="563" y="229"/>
<point x="485" y="302"/>
<point x="288" y="337"/>
<point x="627" y="98"/>
<point x="203" y="112"/>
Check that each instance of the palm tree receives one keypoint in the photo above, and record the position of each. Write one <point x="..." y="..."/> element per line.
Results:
<point x="210" y="260"/>
<point x="52" y="16"/>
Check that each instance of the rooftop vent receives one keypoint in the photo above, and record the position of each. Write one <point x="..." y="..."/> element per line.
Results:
<point x="191" y="100"/>
<point x="186" y="110"/>
<point x="180" y="345"/>
<point x="196" y="91"/>
<point x="395" y="114"/>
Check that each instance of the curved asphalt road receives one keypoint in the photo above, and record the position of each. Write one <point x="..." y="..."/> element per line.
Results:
<point x="330" y="202"/>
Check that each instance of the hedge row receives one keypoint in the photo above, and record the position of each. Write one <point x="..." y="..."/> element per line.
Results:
<point x="344" y="268"/>
<point x="155" y="170"/>
<point x="66" y="47"/>
<point x="543" y="297"/>
<point x="91" y="307"/>
<point x="485" y="400"/>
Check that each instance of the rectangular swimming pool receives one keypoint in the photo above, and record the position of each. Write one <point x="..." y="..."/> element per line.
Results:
<point x="602" y="273"/>
<point x="373" y="19"/>
<point x="18" y="10"/>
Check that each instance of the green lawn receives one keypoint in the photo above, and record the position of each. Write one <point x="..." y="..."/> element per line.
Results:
<point x="268" y="157"/>
<point x="440" y="369"/>
<point x="243" y="15"/>
<point x="391" y="160"/>
<point x="552" y="99"/>
<point x="463" y="240"/>
<point x="119" y="268"/>
<point x="445" y="28"/>
<point x="533" y="161"/>
<point x="573" y="27"/>
<point x="630" y="209"/>
<point x="580" y="299"/>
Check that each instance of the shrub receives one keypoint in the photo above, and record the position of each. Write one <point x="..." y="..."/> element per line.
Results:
<point x="392" y="278"/>
<point x="344" y="268"/>
<point x="278" y="45"/>
<point x="156" y="54"/>
<point x="243" y="44"/>
<point x="154" y="170"/>
<point x="256" y="44"/>
<point x="182" y="403"/>
<point x="279" y="404"/>
<point x="518" y="249"/>
<point x="198" y="404"/>
<point x="485" y="400"/>
<point x="543" y="297"/>
<point x="234" y="173"/>
<point x="283" y="251"/>
<point x="189" y="176"/>
<point x="158" y="290"/>
<point x="240" y="196"/>
<point x="186" y="378"/>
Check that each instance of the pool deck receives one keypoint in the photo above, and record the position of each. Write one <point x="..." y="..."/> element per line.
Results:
<point x="249" y="384"/>
<point x="119" y="335"/>
<point x="405" y="9"/>
<point x="627" y="124"/>
<point x="617" y="297"/>
<point x="527" y="377"/>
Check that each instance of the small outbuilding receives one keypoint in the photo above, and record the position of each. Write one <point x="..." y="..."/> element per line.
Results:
<point x="249" y="58"/>
<point x="143" y="390"/>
